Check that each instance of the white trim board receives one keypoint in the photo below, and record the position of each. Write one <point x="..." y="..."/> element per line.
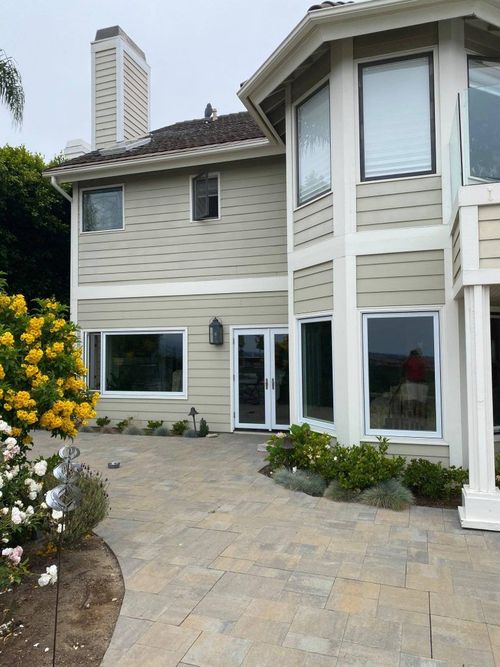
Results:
<point x="226" y="286"/>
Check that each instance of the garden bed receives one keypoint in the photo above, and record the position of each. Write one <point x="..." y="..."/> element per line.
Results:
<point x="91" y="593"/>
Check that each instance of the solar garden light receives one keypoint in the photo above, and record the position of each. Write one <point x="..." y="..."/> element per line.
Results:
<point x="192" y="413"/>
<point x="64" y="498"/>
<point x="287" y="445"/>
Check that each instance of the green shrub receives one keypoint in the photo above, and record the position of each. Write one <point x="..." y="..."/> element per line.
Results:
<point x="103" y="421"/>
<point x="93" y="508"/>
<point x="121" y="426"/>
<point x="301" y="480"/>
<point x="361" y="466"/>
<point x="311" y="451"/>
<point x="179" y="427"/>
<point x="154" y="424"/>
<point x="390" y="494"/>
<point x="133" y="430"/>
<point x="161" y="431"/>
<point x="190" y="433"/>
<point x="203" y="431"/>
<point x="432" y="480"/>
<point x="336" y="492"/>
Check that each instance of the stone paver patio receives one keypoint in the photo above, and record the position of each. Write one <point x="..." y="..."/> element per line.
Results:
<point x="224" y="568"/>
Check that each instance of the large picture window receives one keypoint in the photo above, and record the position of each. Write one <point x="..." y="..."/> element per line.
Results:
<point x="317" y="369"/>
<point x="313" y="146"/>
<point x="397" y="133"/>
<point x="131" y="362"/>
<point x="102" y="209"/>
<point x="401" y="370"/>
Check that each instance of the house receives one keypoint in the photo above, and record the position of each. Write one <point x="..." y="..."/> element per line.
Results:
<point x="345" y="232"/>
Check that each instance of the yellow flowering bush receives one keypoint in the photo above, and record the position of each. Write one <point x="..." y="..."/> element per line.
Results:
<point x="41" y="370"/>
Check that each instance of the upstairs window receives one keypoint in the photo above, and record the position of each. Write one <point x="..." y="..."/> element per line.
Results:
<point x="313" y="146"/>
<point x="102" y="209"/>
<point x="205" y="197"/>
<point x="396" y="103"/>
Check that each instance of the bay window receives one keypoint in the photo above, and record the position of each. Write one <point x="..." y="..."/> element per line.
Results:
<point x="397" y="127"/>
<point x="313" y="146"/>
<point x="316" y="367"/>
<point x="401" y="374"/>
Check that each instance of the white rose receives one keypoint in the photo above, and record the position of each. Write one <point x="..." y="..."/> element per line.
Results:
<point x="56" y="515"/>
<point x="10" y="442"/>
<point x="40" y="468"/>
<point x="44" y="579"/>
<point x="49" y="576"/>
<point x="16" y="516"/>
<point x="32" y="495"/>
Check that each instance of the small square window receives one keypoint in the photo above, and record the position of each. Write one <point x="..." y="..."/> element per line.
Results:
<point x="102" y="209"/>
<point x="205" y="197"/>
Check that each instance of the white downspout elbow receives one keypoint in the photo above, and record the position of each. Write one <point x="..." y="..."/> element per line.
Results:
<point x="56" y="186"/>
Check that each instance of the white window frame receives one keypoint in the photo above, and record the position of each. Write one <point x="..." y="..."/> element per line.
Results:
<point x="143" y="331"/>
<point x="192" y="178"/>
<point x="101" y="187"/>
<point x="324" y="81"/>
<point x="395" y="55"/>
<point x="435" y="314"/>
<point x="318" y="424"/>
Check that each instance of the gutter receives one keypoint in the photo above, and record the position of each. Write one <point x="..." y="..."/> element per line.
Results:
<point x="56" y="186"/>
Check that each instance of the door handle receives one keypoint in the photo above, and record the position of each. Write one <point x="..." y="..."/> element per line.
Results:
<point x="267" y="384"/>
<point x="272" y="384"/>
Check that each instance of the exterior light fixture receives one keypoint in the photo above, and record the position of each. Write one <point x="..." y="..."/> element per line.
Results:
<point x="215" y="332"/>
<point x="192" y="413"/>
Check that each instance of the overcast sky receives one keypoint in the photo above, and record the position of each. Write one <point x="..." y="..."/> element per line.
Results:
<point x="199" y="51"/>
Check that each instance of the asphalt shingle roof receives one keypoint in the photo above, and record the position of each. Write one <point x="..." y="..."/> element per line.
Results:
<point x="186" y="134"/>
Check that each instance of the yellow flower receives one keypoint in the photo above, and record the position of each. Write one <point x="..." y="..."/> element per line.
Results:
<point x="2" y="373"/>
<point x="1" y="393"/>
<point x="7" y="406"/>
<point x="16" y="431"/>
<point x="25" y="416"/>
<point x="27" y="440"/>
<point x="57" y="325"/>
<point x="74" y="384"/>
<point x="7" y="339"/>
<point x="84" y="411"/>
<point x="30" y="370"/>
<point x="28" y="338"/>
<point x="23" y="400"/>
<point x="18" y="305"/>
<point x="34" y="356"/>
<point x="4" y="300"/>
<point x="39" y="379"/>
<point x="50" y="305"/>
<point x="50" y="421"/>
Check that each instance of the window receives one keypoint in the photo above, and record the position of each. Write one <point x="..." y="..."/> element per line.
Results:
<point x="401" y="373"/>
<point x="134" y="362"/>
<point x="484" y="73"/>
<point x="317" y="369"/>
<point x="396" y="105"/>
<point x="313" y="146"/>
<point x="102" y="209"/>
<point x="205" y="197"/>
<point x="495" y="368"/>
<point x="93" y="361"/>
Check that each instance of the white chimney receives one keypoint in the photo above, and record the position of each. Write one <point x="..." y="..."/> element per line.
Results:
<point x="120" y="89"/>
<point x="75" y="148"/>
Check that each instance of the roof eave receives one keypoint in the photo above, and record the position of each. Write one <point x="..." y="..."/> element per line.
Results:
<point x="249" y="148"/>
<point x="349" y="21"/>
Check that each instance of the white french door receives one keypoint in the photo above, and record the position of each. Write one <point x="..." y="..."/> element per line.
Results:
<point x="260" y="378"/>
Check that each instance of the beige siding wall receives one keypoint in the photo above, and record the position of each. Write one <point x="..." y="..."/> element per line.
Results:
<point x="401" y="279"/>
<point x="209" y="380"/>
<point x="433" y="453"/>
<point x="392" y="41"/>
<point x="313" y="222"/>
<point x="105" y="97"/>
<point x="313" y="289"/>
<point x="456" y="250"/>
<point x="412" y="202"/>
<point x="489" y="237"/>
<point x="135" y="99"/>
<point x="160" y="243"/>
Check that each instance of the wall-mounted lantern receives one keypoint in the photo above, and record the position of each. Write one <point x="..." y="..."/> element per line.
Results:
<point x="215" y="332"/>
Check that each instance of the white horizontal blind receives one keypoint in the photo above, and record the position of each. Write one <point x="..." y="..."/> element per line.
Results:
<point x="313" y="140"/>
<point x="397" y="137"/>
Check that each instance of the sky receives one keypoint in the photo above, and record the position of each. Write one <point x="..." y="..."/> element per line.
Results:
<point x="199" y="51"/>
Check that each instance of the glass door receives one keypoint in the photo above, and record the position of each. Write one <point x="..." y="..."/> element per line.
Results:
<point x="261" y="381"/>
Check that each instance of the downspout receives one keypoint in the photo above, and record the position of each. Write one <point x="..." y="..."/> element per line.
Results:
<point x="56" y="186"/>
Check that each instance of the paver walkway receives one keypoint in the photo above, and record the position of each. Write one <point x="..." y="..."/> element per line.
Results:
<point x="224" y="568"/>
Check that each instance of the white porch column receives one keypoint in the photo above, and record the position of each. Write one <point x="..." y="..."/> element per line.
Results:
<point x="481" y="498"/>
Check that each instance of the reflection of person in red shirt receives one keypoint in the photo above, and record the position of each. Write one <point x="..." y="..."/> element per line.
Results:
<point x="415" y="386"/>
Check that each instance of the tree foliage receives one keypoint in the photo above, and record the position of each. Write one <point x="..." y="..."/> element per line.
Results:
<point x="11" y="87"/>
<point x="34" y="228"/>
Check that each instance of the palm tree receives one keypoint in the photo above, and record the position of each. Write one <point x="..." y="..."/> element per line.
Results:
<point x="11" y="87"/>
